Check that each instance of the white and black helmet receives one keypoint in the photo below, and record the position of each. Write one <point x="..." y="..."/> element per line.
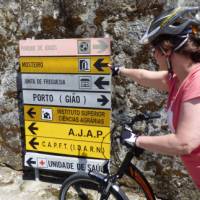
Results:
<point x="178" y="21"/>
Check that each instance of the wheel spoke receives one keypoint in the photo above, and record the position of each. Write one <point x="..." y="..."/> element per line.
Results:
<point x="83" y="192"/>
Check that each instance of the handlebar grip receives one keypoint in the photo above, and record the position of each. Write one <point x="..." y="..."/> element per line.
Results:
<point x="154" y="115"/>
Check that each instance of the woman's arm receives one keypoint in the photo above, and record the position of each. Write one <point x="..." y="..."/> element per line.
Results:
<point x="188" y="130"/>
<point x="152" y="79"/>
<point x="186" y="138"/>
<point x="165" y="144"/>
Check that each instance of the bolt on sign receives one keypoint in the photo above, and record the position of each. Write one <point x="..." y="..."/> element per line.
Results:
<point x="66" y="91"/>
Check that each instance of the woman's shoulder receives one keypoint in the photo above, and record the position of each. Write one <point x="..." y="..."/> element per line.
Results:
<point x="195" y="71"/>
<point x="191" y="87"/>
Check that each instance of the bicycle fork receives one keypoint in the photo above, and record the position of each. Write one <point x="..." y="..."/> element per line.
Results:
<point x="105" y="192"/>
<point x="106" y="183"/>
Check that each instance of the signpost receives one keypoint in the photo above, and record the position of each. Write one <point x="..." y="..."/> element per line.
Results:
<point x="66" y="89"/>
<point x="67" y="115"/>
<point x="68" y="99"/>
<point x="61" y="163"/>
<point x="66" y="82"/>
<point x="63" y="64"/>
<point x="65" y="47"/>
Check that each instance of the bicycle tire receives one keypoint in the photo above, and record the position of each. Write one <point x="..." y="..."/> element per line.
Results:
<point x="82" y="181"/>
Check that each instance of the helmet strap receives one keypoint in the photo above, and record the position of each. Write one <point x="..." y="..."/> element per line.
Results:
<point x="182" y="43"/>
<point x="169" y="67"/>
<point x="168" y="60"/>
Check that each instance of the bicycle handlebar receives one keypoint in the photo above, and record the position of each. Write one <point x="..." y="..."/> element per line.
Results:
<point x="129" y="122"/>
<point x="141" y="117"/>
<point x="144" y="117"/>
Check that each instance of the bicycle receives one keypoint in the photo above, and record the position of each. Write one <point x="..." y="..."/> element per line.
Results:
<point x="83" y="185"/>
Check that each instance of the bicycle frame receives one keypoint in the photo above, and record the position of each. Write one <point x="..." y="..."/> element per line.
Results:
<point x="126" y="168"/>
<point x="131" y="170"/>
<point x="141" y="180"/>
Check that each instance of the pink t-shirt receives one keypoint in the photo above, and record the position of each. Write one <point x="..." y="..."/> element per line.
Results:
<point x="189" y="89"/>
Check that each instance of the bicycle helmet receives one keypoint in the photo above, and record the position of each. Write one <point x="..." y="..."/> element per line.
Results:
<point x="178" y="22"/>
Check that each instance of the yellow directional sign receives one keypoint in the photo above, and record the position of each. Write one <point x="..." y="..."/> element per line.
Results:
<point x="67" y="115"/>
<point x="92" y="65"/>
<point x="68" y="131"/>
<point x="68" y="147"/>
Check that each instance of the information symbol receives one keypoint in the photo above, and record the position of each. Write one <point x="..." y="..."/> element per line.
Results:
<point x="47" y="114"/>
<point x="85" y="82"/>
<point x="42" y="163"/>
<point x="83" y="46"/>
<point x="84" y="65"/>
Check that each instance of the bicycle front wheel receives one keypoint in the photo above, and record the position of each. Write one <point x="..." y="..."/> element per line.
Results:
<point x="81" y="186"/>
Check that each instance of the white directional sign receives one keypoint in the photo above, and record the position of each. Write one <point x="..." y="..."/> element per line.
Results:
<point x="65" y="47"/>
<point x="68" y="99"/>
<point x="60" y="163"/>
<point x="66" y="82"/>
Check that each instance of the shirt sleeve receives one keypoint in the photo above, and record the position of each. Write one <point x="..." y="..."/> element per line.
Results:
<point x="192" y="88"/>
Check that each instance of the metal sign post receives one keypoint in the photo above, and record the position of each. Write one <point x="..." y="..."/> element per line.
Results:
<point x="66" y="89"/>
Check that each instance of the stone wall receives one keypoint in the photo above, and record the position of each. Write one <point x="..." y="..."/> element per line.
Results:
<point x="122" y="20"/>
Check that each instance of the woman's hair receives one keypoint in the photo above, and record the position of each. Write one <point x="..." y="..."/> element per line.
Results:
<point x="191" y="48"/>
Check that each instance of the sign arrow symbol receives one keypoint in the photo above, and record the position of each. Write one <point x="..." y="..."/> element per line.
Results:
<point x="103" y="100"/>
<point x="30" y="161"/>
<point x="32" y="129"/>
<point x="33" y="143"/>
<point x="99" y="82"/>
<point x="101" y="46"/>
<point x="99" y="65"/>
<point x="31" y="113"/>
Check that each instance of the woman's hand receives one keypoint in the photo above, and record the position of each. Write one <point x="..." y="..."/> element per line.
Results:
<point x="115" y="68"/>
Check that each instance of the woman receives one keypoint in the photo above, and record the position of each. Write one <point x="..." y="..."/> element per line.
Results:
<point x="177" y="52"/>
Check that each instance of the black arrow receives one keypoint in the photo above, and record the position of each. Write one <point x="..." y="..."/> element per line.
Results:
<point x="32" y="129"/>
<point x="99" y="82"/>
<point x="99" y="65"/>
<point x="30" y="162"/>
<point x="33" y="143"/>
<point x="31" y="113"/>
<point x="103" y="100"/>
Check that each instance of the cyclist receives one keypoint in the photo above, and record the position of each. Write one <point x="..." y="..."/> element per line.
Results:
<point x="173" y="36"/>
